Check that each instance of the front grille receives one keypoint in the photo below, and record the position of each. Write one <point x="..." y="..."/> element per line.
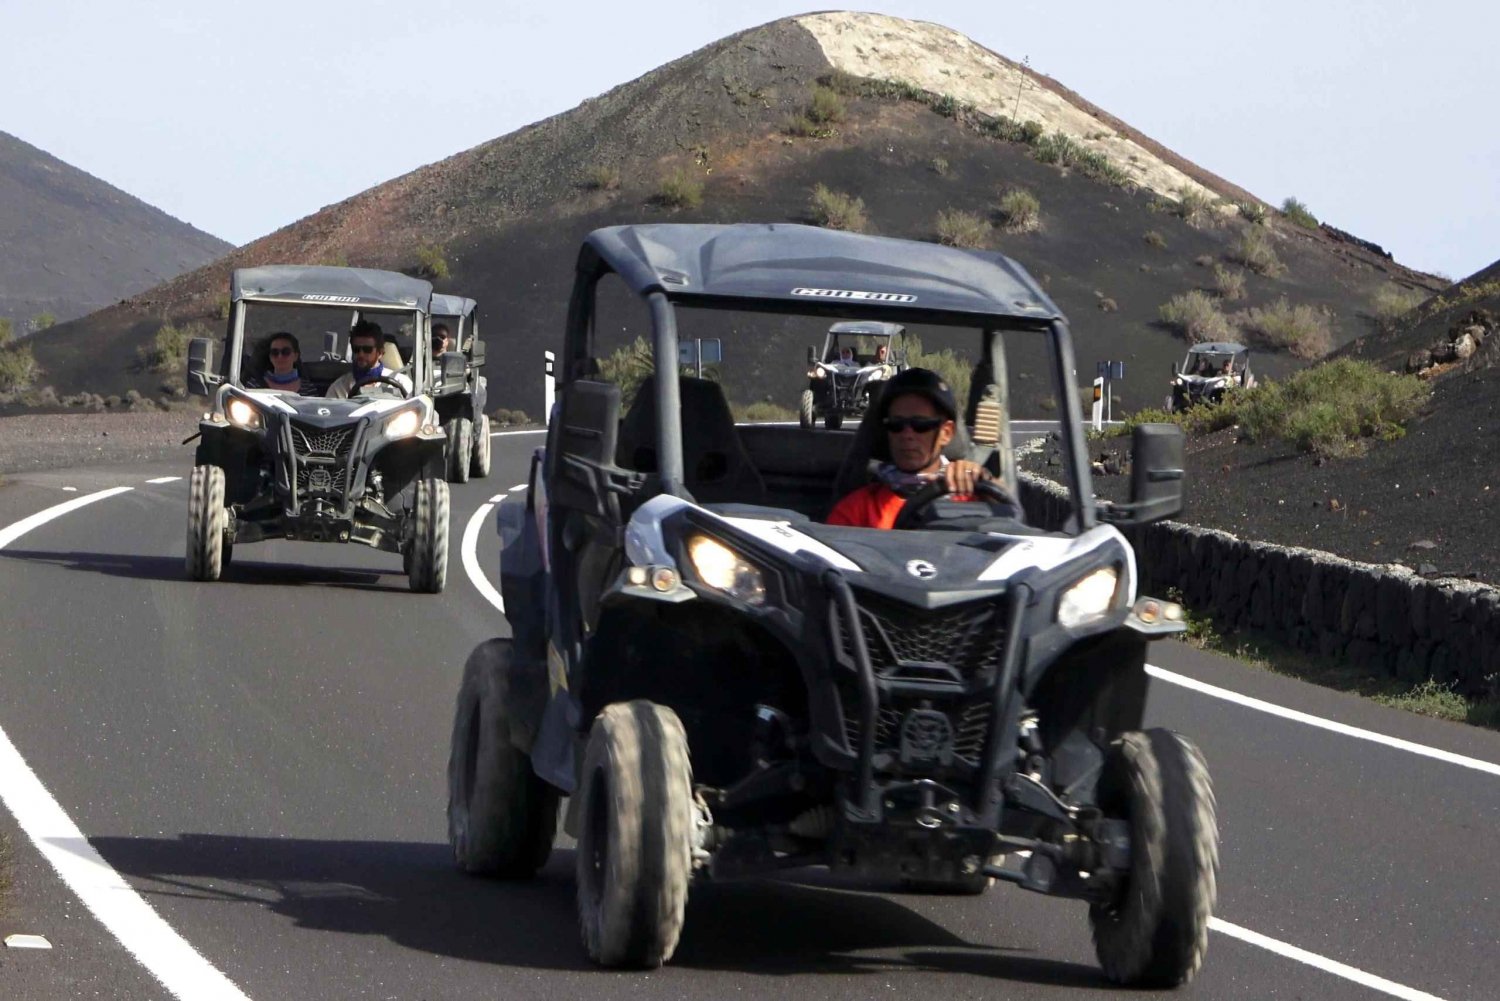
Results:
<point x="969" y="722"/>
<point x="969" y="638"/>
<point x="322" y="456"/>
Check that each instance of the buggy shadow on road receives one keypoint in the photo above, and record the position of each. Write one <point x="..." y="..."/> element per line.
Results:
<point x="412" y="894"/>
<point x="170" y="568"/>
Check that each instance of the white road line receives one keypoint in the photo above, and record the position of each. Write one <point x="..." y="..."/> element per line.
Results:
<point x="11" y="533"/>
<point x="144" y="934"/>
<point x="518" y="487"/>
<point x="1345" y="729"/>
<point x="469" y="546"/>
<point x="1312" y="959"/>
<point x="502" y="434"/>
<point x="165" y="479"/>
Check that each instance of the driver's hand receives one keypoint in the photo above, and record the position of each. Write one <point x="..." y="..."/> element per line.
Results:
<point x="962" y="475"/>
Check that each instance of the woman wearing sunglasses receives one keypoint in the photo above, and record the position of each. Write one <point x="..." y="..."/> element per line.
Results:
<point x="285" y="354"/>
<point x="918" y="414"/>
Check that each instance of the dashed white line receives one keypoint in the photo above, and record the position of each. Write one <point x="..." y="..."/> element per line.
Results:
<point x="518" y="487"/>
<point x="165" y="479"/>
<point x="1323" y="963"/>
<point x="1193" y="684"/>
<point x="144" y="934"/>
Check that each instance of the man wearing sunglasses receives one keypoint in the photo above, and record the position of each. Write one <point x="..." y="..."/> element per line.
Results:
<point x="366" y="341"/>
<point x="918" y="416"/>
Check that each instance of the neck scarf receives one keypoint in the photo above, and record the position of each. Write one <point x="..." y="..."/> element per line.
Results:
<point x="282" y="380"/>
<point x="903" y="483"/>
<point x="362" y="376"/>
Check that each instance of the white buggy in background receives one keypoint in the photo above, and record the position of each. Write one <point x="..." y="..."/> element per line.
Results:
<point x="837" y="388"/>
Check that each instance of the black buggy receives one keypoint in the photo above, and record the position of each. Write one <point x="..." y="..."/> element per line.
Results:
<point x="282" y="465"/>
<point x="461" y="396"/>
<point x="840" y="387"/>
<point x="722" y="685"/>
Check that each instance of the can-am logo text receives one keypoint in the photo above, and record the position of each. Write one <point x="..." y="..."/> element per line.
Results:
<point x="332" y="298"/>
<point x="843" y="293"/>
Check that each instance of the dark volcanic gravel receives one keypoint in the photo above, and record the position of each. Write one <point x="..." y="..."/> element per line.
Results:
<point x="31" y="442"/>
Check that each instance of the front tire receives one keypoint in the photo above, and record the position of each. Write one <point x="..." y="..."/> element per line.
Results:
<point x="1155" y="932"/>
<point x="634" y="840"/>
<point x="805" y="415"/>
<point x="427" y="566"/>
<point x="206" y="522"/>
<point x="501" y="817"/>
<point x="460" y="431"/>
<point x="479" y="463"/>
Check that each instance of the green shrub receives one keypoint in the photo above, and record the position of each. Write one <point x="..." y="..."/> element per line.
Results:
<point x="1230" y="283"/>
<point x="504" y="416"/>
<point x="681" y="189"/>
<point x="1304" y="330"/>
<point x="42" y="321"/>
<point x="947" y="105"/>
<point x="1059" y="149"/>
<point x="763" y="410"/>
<point x="627" y="368"/>
<point x="1155" y="239"/>
<point x="221" y="307"/>
<point x="602" y="177"/>
<point x="1253" y="249"/>
<point x="1252" y="212"/>
<point x="837" y="210"/>
<point x="7" y="330"/>
<point x="844" y="83"/>
<point x="1335" y="408"/>
<point x="168" y="350"/>
<point x="954" y="369"/>
<point x="806" y="128"/>
<point x="1298" y="213"/>
<point x="957" y="228"/>
<point x="826" y="107"/>
<point x="1196" y="316"/>
<point x="1020" y="210"/>
<point x="431" y="263"/>
<point x="1392" y="300"/>
<point x="1196" y="208"/>
<point x="18" y="368"/>
<point x="939" y="165"/>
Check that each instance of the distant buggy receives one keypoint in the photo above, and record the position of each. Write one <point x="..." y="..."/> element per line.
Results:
<point x="1208" y="371"/>
<point x="283" y="465"/>
<point x="858" y="357"/>
<point x="722" y="685"/>
<point x="460" y="391"/>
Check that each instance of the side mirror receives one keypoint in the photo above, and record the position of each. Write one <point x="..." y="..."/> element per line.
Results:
<point x="812" y="355"/>
<point x="1157" y="454"/>
<point x="452" y="366"/>
<point x="201" y="378"/>
<point x="476" y="353"/>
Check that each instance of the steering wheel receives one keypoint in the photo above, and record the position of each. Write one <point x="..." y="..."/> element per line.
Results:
<point x="992" y="492"/>
<point x="357" y="388"/>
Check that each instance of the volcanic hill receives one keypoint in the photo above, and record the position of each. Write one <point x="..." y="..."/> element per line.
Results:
<point x="912" y="118"/>
<point x="71" y="244"/>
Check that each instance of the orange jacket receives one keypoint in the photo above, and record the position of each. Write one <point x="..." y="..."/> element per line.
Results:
<point x="874" y="505"/>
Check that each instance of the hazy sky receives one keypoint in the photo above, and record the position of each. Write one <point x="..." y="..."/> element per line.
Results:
<point x="242" y="117"/>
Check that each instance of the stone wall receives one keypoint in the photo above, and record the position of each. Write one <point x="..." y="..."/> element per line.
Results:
<point x="1384" y="618"/>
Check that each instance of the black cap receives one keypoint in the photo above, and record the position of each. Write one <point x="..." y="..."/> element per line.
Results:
<point x="922" y="382"/>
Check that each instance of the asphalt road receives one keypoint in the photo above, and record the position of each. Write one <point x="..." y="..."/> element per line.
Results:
<point x="262" y="761"/>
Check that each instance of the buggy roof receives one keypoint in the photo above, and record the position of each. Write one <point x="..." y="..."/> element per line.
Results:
<point x="810" y="270"/>
<point x="452" y="305"/>
<point x="320" y="285"/>
<point x="1217" y="348"/>
<point x="866" y="328"/>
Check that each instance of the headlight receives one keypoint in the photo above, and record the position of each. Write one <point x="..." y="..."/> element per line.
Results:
<point x="403" y="424"/>
<point x="1088" y="599"/>
<point x="815" y="373"/>
<point x="723" y="569"/>
<point x="243" y="414"/>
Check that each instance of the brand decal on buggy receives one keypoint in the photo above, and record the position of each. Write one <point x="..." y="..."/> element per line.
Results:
<point x="921" y="569"/>
<point x="312" y="297"/>
<point x="781" y="535"/>
<point x="324" y="411"/>
<point x="844" y="293"/>
<point x="926" y="735"/>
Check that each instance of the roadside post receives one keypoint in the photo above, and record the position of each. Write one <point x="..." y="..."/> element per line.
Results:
<point x="1109" y="371"/>
<point x="549" y="384"/>
<point x="1098" y="410"/>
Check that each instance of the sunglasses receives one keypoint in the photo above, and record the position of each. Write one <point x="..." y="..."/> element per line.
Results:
<point x="921" y="425"/>
<point x="364" y="349"/>
<point x="279" y="352"/>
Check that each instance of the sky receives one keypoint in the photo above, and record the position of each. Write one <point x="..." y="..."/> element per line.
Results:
<point x="1380" y="116"/>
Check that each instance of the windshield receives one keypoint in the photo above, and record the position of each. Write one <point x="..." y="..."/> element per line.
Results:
<point x="318" y="337"/>
<point x="864" y="348"/>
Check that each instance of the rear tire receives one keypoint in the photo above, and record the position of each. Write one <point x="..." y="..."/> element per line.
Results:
<point x="805" y="415"/>
<point x="634" y="837"/>
<point x="206" y="522"/>
<point x="1155" y="933"/>
<point x="427" y="568"/>
<point x="502" y="819"/>
<point x="479" y="462"/>
<point x="460" y="431"/>
<point x="833" y="420"/>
